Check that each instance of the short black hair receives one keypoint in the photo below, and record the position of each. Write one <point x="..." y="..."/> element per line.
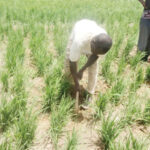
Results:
<point x="101" y="43"/>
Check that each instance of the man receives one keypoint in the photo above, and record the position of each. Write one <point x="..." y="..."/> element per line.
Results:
<point x="87" y="38"/>
<point x="144" y="35"/>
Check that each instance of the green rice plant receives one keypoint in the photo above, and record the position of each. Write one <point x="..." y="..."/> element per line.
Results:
<point x="6" y="112"/>
<point x="65" y="87"/>
<point x="139" y="79"/>
<point x="101" y="103"/>
<point x="117" y="91"/>
<point x="38" y="45"/>
<point x="122" y="65"/>
<point x="132" y="111"/>
<point x="72" y="141"/>
<point x="53" y="85"/>
<point x="9" y="111"/>
<point x="136" y="145"/>
<point x="109" y="131"/>
<point x="118" y="42"/>
<point x="59" y="116"/>
<point x="129" y="47"/>
<point x="4" y="79"/>
<point x="136" y="59"/>
<point x="106" y="71"/>
<point x="24" y="130"/>
<point x="60" y="38"/>
<point x="18" y="85"/>
<point x="131" y="144"/>
<point x="146" y="113"/>
<point x="147" y="76"/>
<point x="15" y="50"/>
<point x="5" y="145"/>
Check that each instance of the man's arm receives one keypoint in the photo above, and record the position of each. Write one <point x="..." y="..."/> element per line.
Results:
<point x="73" y="69"/>
<point x="143" y="3"/>
<point x="91" y="61"/>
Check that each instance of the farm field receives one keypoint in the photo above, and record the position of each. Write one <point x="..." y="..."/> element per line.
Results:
<point x="36" y="107"/>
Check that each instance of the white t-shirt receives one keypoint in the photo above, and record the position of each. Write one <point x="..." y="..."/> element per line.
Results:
<point x="82" y="33"/>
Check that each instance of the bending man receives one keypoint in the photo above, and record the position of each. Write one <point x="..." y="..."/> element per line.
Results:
<point x="87" y="38"/>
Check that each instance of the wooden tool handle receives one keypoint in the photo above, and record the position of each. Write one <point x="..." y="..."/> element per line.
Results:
<point x="77" y="102"/>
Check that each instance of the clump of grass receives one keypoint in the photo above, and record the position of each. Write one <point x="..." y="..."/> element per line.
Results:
<point x="147" y="76"/>
<point x="109" y="131"/>
<point x="59" y="117"/>
<point x="4" y="79"/>
<point x="72" y="141"/>
<point x="25" y="129"/>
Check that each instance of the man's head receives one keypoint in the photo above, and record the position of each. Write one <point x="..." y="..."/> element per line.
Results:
<point x="101" y="44"/>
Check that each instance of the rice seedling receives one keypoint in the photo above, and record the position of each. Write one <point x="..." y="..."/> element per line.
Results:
<point x="5" y="145"/>
<point x="131" y="144"/>
<point x="136" y="59"/>
<point x="15" y="50"/>
<point x="101" y="103"/>
<point x="24" y="130"/>
<point x="147" y="76"/>
<point x="122" y="65"/>
<point x="18" y="85"/>
<point x="59" y="117"/>
<point x="38" y="45"/>
<point x="53" y="87"/>
<point x="109" y="131"/>
<point x="139" y="79"/>
<point x="117" y="91"/>
<point x="6" y="114"/>
<point x="9" y="111"/>
<point x="72" y="141"/>
<point x="4" y="80"/>
<point x="146" y="113"/>
<point x="132" y="111"/>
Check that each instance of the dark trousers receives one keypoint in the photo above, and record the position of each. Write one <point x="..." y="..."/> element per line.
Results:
<point x="144" y="36"/>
